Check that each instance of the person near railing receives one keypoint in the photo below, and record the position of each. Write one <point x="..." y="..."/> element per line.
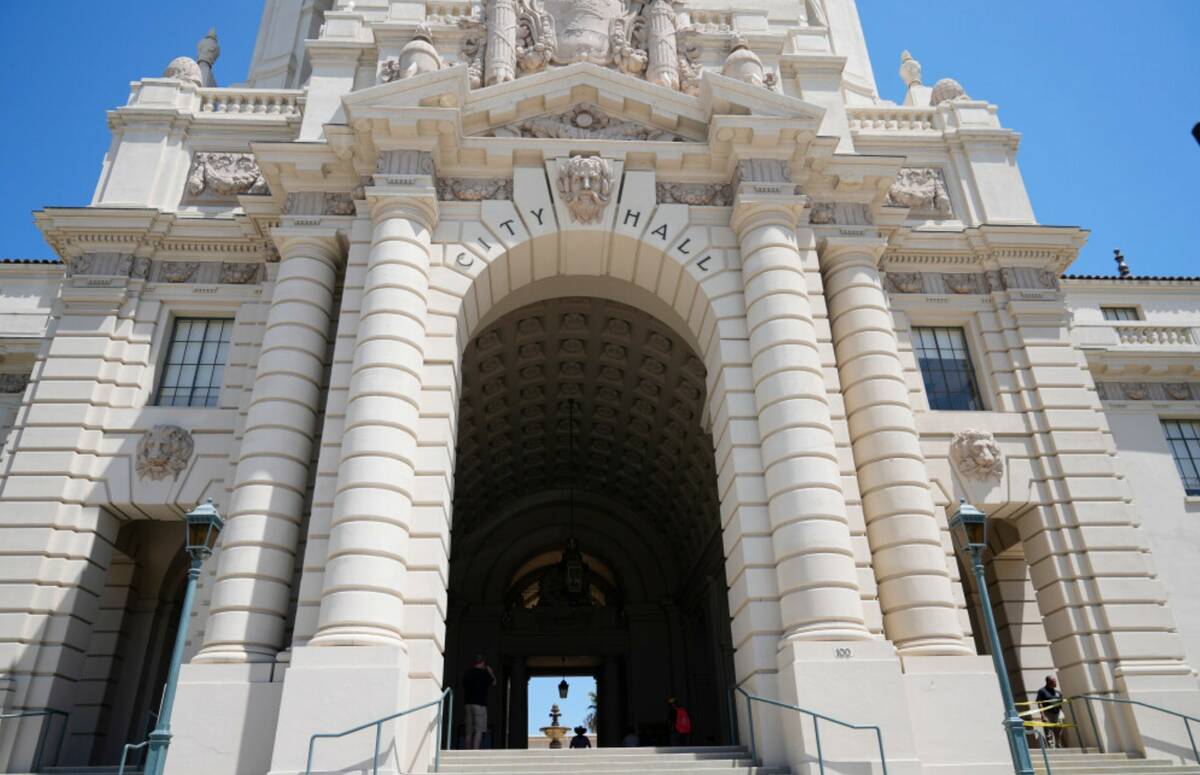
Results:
<point x="679" y="722"/>
<point x="477" y="683"/>
<point x="1050" y="702"/>
<point x="581" y="739"/>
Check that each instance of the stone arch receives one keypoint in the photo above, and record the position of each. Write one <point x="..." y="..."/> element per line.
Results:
<point x="477" y="276"/>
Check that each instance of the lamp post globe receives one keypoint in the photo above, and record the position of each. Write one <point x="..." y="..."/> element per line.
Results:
<point x="203" y="525"/>
<point x="968" y="526"/>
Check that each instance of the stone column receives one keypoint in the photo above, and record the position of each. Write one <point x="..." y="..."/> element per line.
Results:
<point x="518" y="703"/>
<point x="819" y="593"/>
<point x="919" y="613"/>
<point x="363" y="598"/>
<point x="608" y="731"/>
<point x="258" y="546"/>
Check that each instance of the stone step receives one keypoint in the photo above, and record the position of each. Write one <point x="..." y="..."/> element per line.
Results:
<point x="1081" y="763"/>
<point x="729" y="760"/>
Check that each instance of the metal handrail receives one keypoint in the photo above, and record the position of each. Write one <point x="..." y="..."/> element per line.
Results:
<point x="816" y="717"/>
<point x="1187" y="720"/>
<point x="125" y="753"/>
<point x="1045" y="756"/>
<point x="44" y="734"/>
<point x="446" y="696"/>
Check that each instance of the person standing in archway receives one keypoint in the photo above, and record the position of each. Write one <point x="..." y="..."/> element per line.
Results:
<point x="476" y="683"/>
<point x="679" y="722"/>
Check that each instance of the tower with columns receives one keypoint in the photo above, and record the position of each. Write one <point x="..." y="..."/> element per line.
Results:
<point x="359" y="300"/>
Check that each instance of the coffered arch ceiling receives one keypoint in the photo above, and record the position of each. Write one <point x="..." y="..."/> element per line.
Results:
<point x="638" y="392"/>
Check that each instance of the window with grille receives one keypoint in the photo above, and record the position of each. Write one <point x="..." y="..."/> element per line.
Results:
<point x="946" y="368"/>
<point x="195" y="362"/>
<point x="1120" y="313"/>
<point x="1184" y="438"/>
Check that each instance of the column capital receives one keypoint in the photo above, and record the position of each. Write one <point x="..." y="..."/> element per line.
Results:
<point x="320" y="242"/>
<point x="753" y="208"/>
<point x="840" y="248"/>
<point x="412" y="202"/>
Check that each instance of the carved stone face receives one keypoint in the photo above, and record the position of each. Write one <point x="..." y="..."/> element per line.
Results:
<point x="582" y="29"/>
<point x="585" y="183"/>
<point x="976" y="455"/>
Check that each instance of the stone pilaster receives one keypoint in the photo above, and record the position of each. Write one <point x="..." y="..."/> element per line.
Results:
<point x="250" y="599"/>
<point x="1103" y="606"/>
<point x="818" y="585"/>
<point x="919" y="612"/>
<point x="363" y="598"/>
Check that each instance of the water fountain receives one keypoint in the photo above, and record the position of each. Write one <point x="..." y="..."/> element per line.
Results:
<point x="555" y="732"/>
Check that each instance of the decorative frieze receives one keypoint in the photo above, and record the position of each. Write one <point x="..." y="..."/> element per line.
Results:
<point x="319" y="203"/>
<point x="585" y="184"/>
<point x="13" y="383"/>
<point x="218" y="178"/>
<point x="164" y="451"/>
<point x="473" y="189"/>
<point x="177" y="271"/>
<point x="239" y="274"/>
<point x="585" y="122"/>
<point x="1148" y="391"/>
<point x="840" y="214"/>
<point x="696" y="194"/>
<point x="976" y="455"/>
<point x="923" y="191"/>
<point x="971" y="283"/>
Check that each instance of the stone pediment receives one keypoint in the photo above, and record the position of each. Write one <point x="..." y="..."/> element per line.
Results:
<point x="629" y="108"/>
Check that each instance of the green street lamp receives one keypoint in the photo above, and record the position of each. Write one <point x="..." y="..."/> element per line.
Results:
<point x="969" y="528"/>
<point x="203" y="526"/>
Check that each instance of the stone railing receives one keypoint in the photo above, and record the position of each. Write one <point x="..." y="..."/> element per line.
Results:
<point x="891" y="119"/>
<point x="1159" y="336"/>
<point x="252" y="102"/>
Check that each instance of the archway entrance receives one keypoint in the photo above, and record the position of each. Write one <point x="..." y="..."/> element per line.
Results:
<point x="587" y="533"/>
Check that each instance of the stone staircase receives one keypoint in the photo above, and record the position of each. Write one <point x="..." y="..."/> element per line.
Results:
<point x="1078" y="762"/>
<point x="606" y="761"/>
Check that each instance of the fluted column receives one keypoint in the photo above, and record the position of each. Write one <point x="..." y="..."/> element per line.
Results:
<point x="258" y="547"/>
<point x="820" y="597"/>
<point x="915" y="593"/>
<point x="363" y="598"/>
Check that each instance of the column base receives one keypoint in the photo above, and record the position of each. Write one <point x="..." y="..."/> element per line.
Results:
<point x="224" y="719"/>
<point x="332" y="689"/>
<point x="957" y="715"/>
<point x="1171" y="686"/>
<point x="858" y="682"/>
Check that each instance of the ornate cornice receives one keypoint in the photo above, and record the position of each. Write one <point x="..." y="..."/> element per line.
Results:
<point x="1148" y="391"/>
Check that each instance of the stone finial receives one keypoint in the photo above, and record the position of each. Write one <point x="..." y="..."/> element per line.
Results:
<point x="742" y="63"/>
<point x="947" y="90"/>
<point x="207" y="51"/>
<point x="184" y="69"/>
<point x="910" y="69"/>
<point x="1122" y="267"/>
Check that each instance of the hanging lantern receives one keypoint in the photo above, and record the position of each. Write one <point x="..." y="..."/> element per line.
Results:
<point x="563" y="688"/>
<point x="573" y="562"/>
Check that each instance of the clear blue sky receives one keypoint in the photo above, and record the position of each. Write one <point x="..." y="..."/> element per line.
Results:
<point x="543" y="692"/>
<point x="1104" y="93"/>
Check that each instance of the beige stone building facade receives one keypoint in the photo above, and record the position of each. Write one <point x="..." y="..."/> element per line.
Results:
<point x="638" y="341"/>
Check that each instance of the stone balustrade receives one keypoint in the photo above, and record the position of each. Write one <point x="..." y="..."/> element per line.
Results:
<point x="1156" y="336"/>
<point x="891" y="119"/>
<point x="245" y="102"/>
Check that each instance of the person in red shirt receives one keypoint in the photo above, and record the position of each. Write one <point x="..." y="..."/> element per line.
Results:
<point x="679" y="722"/>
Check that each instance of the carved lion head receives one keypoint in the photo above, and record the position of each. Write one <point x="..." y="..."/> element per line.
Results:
<point x="976" y="455"/>
<point x="164" y="451"/>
